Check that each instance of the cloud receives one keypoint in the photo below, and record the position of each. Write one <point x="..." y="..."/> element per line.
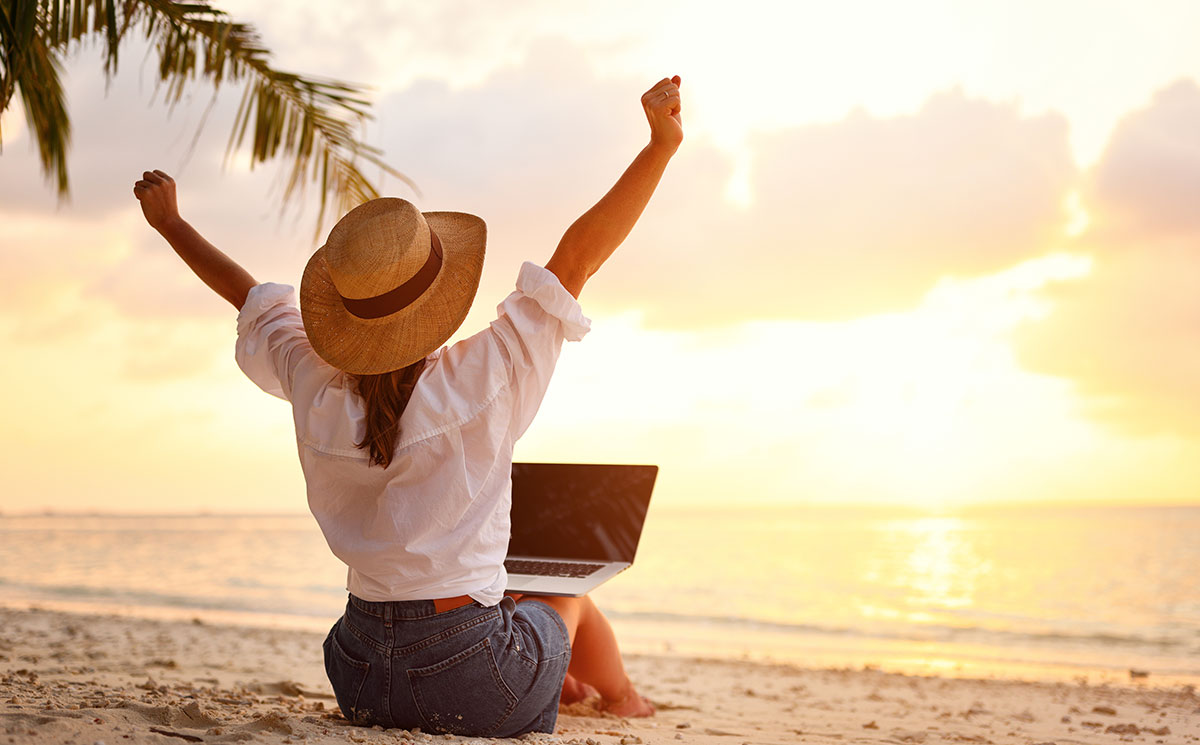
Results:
<point x="865" y="214"/>
<point x="870" y="211"/>
<point x="391" y="45"/>
<point x="1147" y="183"/>
<point x="858" y="216"/>
<point x="1127" y="335"/>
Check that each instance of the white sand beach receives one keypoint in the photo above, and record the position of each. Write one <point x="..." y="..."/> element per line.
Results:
<point x="74" y="678"/>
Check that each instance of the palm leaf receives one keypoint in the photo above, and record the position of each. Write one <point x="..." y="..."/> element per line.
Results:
<point x="311" y="121"/>
<point x="29" y="66"/>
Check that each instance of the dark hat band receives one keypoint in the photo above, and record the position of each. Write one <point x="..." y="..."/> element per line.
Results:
<point x="406" y="294"/>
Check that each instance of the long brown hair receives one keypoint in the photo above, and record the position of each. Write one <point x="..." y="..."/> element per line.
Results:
<point x="385" y="397"/>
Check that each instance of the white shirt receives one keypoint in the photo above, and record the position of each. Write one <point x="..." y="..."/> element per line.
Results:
<point x="434" y="523"/>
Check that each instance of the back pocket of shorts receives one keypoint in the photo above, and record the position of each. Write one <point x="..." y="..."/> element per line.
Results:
<point x="463" y="694"/>
<point x="347" y="676"/>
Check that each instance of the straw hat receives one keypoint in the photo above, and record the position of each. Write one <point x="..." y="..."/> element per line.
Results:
<point x="390" y="285"/>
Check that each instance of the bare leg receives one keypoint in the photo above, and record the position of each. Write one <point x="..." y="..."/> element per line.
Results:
<point x="595" y="658"/>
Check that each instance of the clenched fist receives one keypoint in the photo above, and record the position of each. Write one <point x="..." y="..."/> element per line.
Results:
<point x="156" y="192"/>
<point x="662" y="106"/>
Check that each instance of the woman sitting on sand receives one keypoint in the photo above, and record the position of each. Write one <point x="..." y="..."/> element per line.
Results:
<point x="407" y="445"/>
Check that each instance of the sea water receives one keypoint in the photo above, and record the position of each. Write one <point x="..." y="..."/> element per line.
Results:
<point x="1049" y="593"/>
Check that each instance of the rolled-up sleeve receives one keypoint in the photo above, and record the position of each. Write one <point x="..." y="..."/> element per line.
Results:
<point x="531" y="325"/>
<point x="271" y="342"/>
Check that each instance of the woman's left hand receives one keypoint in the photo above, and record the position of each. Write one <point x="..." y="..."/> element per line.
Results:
<point x="156" y="192"/>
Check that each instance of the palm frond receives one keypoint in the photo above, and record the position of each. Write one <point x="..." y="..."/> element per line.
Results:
<point x="45" y="104"/>
<point x="310" y="120"/>
<point x="29" y="66"/>
<point x="8" y="41"/>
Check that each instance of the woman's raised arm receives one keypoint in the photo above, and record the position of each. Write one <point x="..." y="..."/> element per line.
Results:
<point x="156" y="192"/>
<point x="596" y="234"/>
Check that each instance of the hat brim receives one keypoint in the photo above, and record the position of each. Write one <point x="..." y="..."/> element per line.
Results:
<point x="370" y="346"/>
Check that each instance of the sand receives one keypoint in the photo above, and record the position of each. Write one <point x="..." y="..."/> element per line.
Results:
<point x="70" y="678"/>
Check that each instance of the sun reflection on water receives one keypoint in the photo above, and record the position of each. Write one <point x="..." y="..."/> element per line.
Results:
<point x="931" y="564"/>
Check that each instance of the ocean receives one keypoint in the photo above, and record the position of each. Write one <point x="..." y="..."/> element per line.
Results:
<point x="1035" y="593"/>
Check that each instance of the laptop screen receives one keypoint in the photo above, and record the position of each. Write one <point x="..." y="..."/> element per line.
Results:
<point x="579" y="511"/>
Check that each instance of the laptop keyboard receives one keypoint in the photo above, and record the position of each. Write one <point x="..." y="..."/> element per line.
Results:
<point x="550" y="568"/>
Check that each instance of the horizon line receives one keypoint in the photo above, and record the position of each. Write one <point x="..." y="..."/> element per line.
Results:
<point x="931" y="510"/>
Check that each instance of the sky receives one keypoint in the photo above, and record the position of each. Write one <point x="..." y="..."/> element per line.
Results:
<point x="928" y="254"/>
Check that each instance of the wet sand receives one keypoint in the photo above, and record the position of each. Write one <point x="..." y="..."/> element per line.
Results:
<point x="74" y="678"/>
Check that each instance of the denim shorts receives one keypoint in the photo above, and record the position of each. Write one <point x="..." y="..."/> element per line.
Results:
<point x="480" y="671"/>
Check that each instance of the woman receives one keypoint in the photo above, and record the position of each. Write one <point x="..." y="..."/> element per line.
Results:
<point x="406" y="446"/>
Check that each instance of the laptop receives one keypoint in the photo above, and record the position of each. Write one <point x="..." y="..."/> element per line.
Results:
<point x="574" y="526"/>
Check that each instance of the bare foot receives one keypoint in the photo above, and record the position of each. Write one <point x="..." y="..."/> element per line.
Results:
<point x="632" y="705"/>
<point x="574" y="691"/>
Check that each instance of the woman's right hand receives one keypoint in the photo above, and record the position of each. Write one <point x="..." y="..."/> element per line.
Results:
<point x="662" y="106"/>
<point x="156" y="192"/>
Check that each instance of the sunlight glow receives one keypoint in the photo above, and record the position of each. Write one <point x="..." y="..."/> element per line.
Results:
<point x="1078" y="219"/>
<point x="925" y="408"/>
<point x="738" y="191"/>
<point x="941" y="567"/>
